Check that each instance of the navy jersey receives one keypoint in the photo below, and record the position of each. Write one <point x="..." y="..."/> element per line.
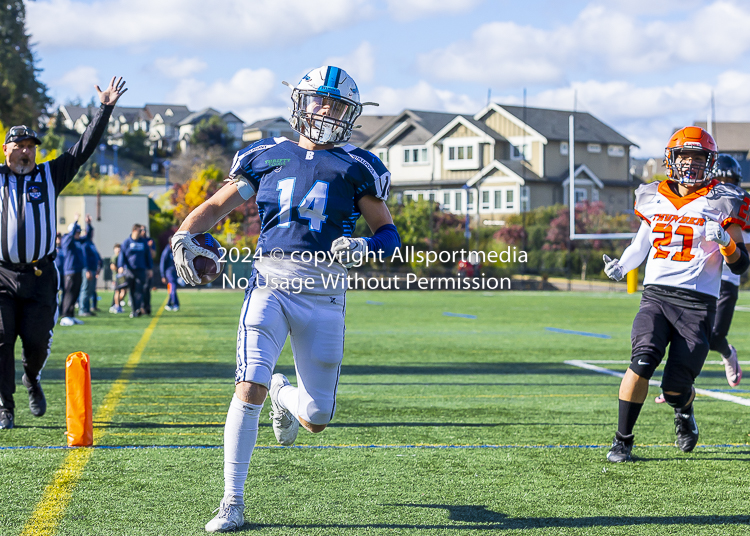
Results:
<point x="307" y="199"/>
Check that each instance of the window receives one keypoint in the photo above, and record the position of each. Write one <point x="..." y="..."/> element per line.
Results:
<point x="594" y="148"/>
<point x="520" y="152"/>
<point x="470" y="202"/>
<point x="458" y="207"/>
<point x="463" y="156"/>
<point x="525" y="198"/>
<point x="383" y="155"/>
<point x="581" y="195"/>
<point x="509" y="204"/>
<point x="451" y="153"/>
<point x="415" y="155"/>
<point x="498" y="199"/>
<point x="485" y="200"/>
<point x="408" y="198"/>
<point x="432" y="197"/>
<point x="616" y="150"/>
<point x="446" y="200"/>
<point x="563" y="147"/>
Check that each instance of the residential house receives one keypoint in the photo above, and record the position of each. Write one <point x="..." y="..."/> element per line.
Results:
<point x="163" y="131"/>
<point x="733" y="138"/>
<point x="274" y="127"/>
<point x="187" y="126"/>
<point x="77" y="117"/>
<point x="503" y="160"/>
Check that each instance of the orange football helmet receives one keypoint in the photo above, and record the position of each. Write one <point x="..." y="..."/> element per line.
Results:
<point x="690" y="139"/>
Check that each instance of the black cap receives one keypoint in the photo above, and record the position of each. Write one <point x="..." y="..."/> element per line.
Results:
<point x="20" y="133"/>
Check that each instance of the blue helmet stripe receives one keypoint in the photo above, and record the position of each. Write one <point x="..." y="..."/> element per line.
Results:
<point x="331" y="82"/>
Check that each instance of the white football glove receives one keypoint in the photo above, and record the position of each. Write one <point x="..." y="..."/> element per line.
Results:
<point x="184" y="251"/>
<point x="612" y="268"/>
<point x="349" y="251"/>
<point x="716" y="233"/>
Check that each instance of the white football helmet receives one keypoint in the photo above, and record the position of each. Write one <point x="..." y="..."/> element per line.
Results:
<point x="326" y="104"/>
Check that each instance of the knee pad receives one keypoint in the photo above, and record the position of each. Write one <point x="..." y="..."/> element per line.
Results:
<point x="644" y="365"/>
<point x="678" y="401"/>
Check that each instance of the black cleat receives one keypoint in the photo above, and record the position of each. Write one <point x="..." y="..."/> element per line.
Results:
<point x="6" y="419"/>
<point x="621" y="447"/>
<point x="37" y="401"/>
<point x="687" y="431"/>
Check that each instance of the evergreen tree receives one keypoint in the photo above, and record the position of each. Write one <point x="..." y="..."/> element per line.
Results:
<point x="22" y="97"/>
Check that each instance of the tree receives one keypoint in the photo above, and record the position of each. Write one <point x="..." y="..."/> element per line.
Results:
<point x="22" y="97"/>
<point x="210" y="132"/>
<point x="134" y="147"/>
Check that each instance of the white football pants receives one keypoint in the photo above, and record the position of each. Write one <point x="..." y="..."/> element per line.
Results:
<point x="316" y="325"/>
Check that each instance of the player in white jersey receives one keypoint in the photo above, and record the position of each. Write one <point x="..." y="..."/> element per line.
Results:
<point x="309" y="195"/>
<point x="691" y="224"/>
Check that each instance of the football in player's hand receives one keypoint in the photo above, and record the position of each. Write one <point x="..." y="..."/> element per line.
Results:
<point x="206" y="267"/>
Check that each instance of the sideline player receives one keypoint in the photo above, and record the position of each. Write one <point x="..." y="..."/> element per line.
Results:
<point x="309" y="197"/>
<point x="728" y="170"/>
<point x="691" y="225"/>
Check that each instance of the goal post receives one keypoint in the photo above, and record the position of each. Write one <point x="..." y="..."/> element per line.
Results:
<point x="572" y="195"/>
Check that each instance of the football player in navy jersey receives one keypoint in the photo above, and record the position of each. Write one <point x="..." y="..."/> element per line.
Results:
<point x="309" y="195"/>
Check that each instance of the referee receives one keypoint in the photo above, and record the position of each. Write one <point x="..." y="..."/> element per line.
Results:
<point x="28" y="278"/>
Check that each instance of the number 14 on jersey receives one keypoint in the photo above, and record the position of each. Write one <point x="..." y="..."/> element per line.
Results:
<point x="311" y="208"/>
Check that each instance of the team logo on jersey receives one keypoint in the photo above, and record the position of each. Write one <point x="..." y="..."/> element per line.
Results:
<point x="277" y="162"/>
<point x="35" y="193"/>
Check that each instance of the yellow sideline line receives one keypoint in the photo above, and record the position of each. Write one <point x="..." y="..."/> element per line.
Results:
<point x="51" y="507"/>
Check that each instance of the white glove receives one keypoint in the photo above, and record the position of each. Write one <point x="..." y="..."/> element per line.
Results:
<point x="716" y="233"/>
<point x="612" y="268"/>
<point x="349" y="251"/>
<point x="184" y="251"/>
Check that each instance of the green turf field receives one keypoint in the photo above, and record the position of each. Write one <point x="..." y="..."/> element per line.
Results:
<point x="445" y="425"/>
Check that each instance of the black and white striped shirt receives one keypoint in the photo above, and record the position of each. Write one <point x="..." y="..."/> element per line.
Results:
<point x="28" y="220"/>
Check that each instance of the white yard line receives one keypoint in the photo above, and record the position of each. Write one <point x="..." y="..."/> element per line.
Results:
<point x="588" y="365"/>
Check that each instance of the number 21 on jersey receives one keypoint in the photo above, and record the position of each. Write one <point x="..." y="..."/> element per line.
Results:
<point x="685" y="231"/>
<point x="311" y="208"/>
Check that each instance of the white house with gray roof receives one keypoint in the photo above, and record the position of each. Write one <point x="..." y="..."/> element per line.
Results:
<point x="495" y="163"/>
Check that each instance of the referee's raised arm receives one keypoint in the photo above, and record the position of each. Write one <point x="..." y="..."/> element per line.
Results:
<point x="29" y="280"/>
<point x="65" y="167"/>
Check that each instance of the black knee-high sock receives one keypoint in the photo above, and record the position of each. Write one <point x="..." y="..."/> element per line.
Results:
<point x="628" y="414"/>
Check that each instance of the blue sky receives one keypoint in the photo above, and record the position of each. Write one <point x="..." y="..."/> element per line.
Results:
<point x="644" y="67"/>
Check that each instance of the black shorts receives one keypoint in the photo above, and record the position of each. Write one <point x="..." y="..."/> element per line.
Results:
<point x="687" y="331"/>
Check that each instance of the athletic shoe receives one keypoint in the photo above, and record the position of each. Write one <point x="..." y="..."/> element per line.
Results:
<point x="660" y="399"/>
<point x="732" y="367"/>
<point x="230" y="517"/>
<point x="285" y="425"/>
<point x="77" y="321"/>
<point x="687" y="431"/>
<point x="67" y="321"/>
<point x="37" y="401"/>
<point x="135" y="314"/>
<point x="84" y="314"/>
<point x="167" y="307"/>
<point x="621" y="448"/>
<point x="175" y="308"/>
<point x="6" y="419"/>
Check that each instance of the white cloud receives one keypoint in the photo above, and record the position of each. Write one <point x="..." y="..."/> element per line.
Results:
<point x="79" y="81"/>
<point x="174" y="67"/>
<point x="648" y="115"/>
<point x="244" y="94"/>
<point x="408" y="10"/>
<point x="601" y="39"/>
<point x="360" y="63"/>
<point x="421" y="96"/>
<point x="112" y="23"/>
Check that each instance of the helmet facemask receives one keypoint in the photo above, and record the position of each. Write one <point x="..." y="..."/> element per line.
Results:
<point x="323" y="118"/>
<point x="690" y="173"/>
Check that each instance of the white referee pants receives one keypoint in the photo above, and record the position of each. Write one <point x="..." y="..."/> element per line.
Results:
<point x="316" y="326"/>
